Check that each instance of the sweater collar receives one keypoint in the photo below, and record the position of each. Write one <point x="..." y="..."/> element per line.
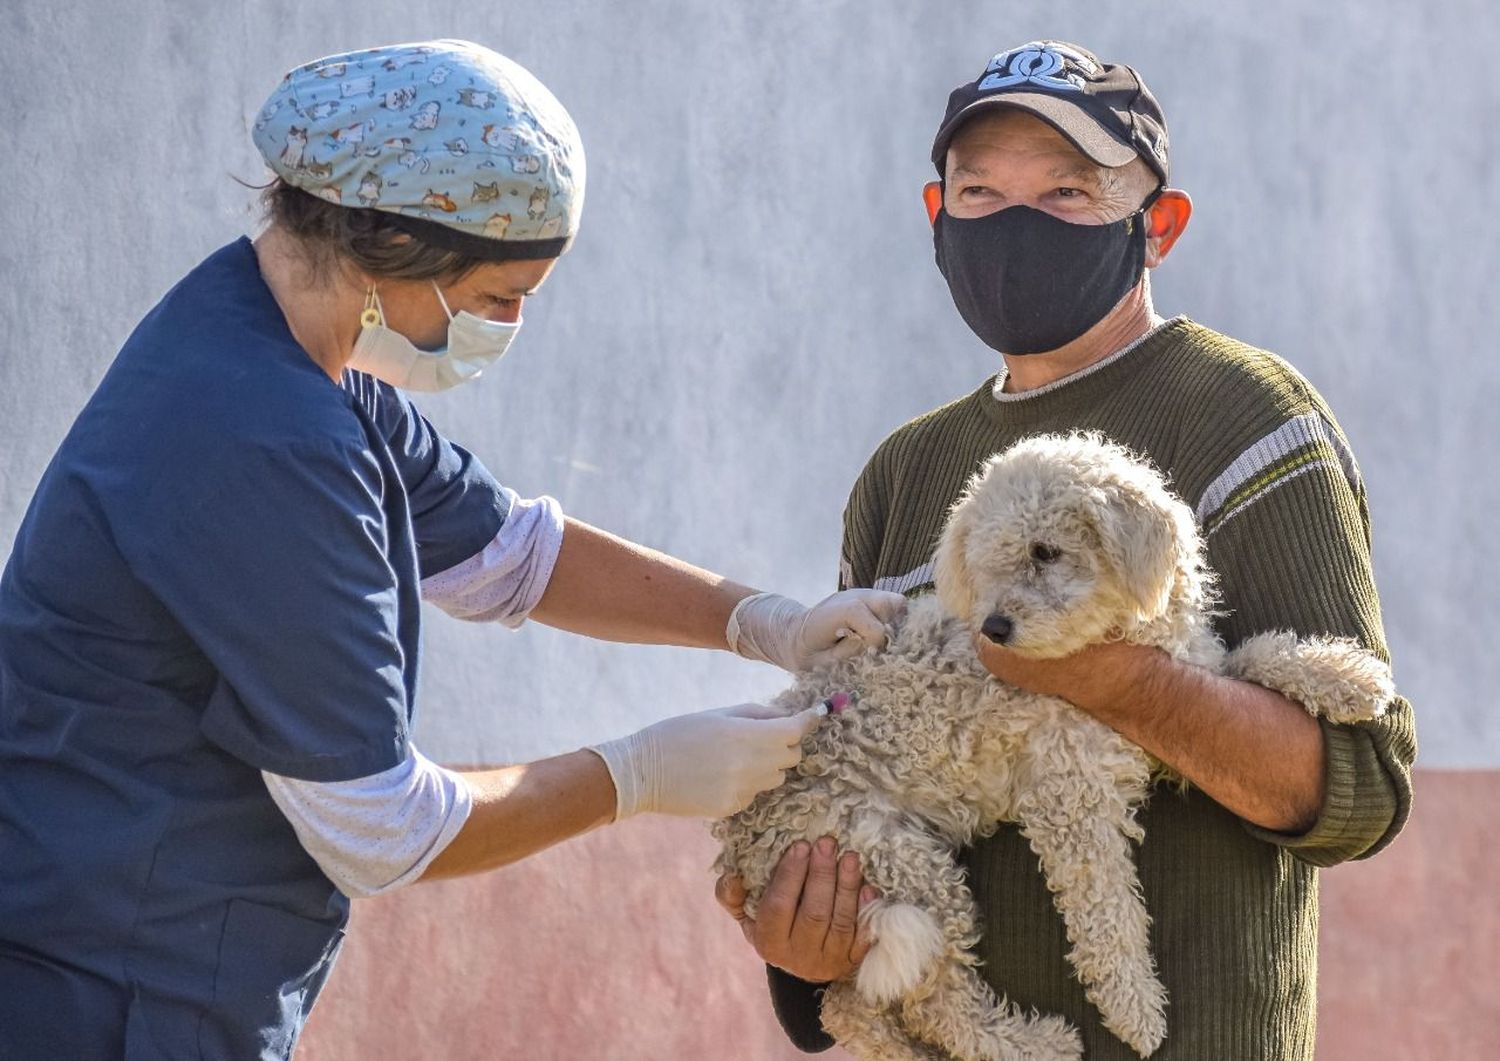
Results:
<point x="1079" y="386"/>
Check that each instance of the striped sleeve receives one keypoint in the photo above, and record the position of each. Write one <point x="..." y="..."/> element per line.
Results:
<point x="1288" y="534"/>
<point x="864" y="526"/>
<point x="1298" y="446"/>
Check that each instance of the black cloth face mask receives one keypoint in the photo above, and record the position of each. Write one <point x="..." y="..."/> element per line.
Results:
<point x="1026" y="282"/>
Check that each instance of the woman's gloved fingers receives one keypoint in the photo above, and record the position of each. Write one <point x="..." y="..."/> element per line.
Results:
<point x="781" y="738"/>
<point x="784" y="750"/>
<point x="847" y="648"/>
<point x="752" y="711"/>
<point x="855" y="613"/>
<point x="706" y="765"/>
<point x="789" y="757"/>
<point x="766" y="781"/>
<point x="880" y="610"/>
<point x="778" y="630"/>
<point x="806" y="722"/>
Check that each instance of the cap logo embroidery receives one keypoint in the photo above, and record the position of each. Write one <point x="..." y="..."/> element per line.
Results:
<point x="1037" y="63"/>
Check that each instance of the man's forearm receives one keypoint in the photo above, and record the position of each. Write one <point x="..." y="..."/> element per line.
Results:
<point x="609" y="588"/>
<point x="519" y="810"/>
<point x="1253" y="750"/>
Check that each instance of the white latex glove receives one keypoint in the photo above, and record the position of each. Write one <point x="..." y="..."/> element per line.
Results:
<point x="707" y="765"/>
<point x="775" y="629"/>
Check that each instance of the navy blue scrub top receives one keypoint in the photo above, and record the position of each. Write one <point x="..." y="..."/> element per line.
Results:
<point x="218" y="575"/>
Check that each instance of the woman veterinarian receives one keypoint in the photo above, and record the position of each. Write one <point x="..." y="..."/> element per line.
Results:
<point x="209" y="624"/>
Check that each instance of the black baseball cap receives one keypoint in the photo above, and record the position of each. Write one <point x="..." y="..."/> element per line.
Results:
<point x="1104" y="109"/>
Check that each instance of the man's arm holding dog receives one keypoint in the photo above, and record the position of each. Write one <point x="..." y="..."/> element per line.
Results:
<point x="1298" y="559"/>
<point x="1254" y="751"/>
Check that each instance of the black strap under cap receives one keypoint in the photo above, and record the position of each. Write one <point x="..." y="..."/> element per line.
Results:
<point x="445" y="237"/>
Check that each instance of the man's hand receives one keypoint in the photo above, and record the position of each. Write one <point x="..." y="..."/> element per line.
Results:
<point x="1100" y="679"/>
<point x="809" y="913"/>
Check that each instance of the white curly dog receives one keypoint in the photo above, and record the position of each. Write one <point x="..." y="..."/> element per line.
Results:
<point x="1059" y="542"/>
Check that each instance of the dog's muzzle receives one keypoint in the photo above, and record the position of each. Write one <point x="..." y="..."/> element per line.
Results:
<point x="998" y="629"/>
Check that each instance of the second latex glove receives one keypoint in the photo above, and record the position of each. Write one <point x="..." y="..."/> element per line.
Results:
<point x="776" y="629"/>
<point x="707" y="765"/>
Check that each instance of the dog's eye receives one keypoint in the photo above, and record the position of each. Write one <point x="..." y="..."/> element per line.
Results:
<point x="1043" y="553"/>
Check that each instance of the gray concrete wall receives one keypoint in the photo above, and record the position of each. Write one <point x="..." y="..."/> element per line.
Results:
<point x="752" y="305"/>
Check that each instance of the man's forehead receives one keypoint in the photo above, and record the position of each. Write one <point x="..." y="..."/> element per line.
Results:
<point x="981" y="165"/>
<point x="981" y="150"/>
<point x="1007" y="126"/>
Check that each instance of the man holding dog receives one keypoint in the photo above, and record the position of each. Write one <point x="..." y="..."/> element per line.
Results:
<point x="1052" y="207"/>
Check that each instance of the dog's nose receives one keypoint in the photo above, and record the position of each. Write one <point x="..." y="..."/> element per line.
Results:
<point x="997" y="628"/>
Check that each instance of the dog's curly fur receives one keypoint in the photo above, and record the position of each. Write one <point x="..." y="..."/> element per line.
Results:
<point x="1069" y="540"/>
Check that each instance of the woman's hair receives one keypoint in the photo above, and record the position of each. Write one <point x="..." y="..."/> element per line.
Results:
<point x="370" y="240"/>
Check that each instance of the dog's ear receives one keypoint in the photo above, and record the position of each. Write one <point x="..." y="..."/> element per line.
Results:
<point x="1140" y="537"/>
<point x="950" y="570"/>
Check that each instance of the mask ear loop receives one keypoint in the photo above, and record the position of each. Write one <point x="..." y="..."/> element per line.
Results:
<point x="372" y="317"/>
<point x="443" y="301"/>
<point x="1144" y="209"/>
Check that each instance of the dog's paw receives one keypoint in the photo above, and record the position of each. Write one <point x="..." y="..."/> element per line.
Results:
<point x="906" y="941"/>
<point x="1135" y="1013"/>
<point x="1031" y="1037"/>
<point x="1053" y="1039"/>
<point x="1333" y="678"/>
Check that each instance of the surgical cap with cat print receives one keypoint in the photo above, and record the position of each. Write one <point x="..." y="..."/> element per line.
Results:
<point x="465" y="148"/>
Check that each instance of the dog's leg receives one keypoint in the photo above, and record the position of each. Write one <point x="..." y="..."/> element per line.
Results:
<point x="1077" y="810"/>
<point x="921" y="964"/>
<point x="925" y="910"/>
<point x="957" y="1010"/>
<point x="1332" y="678"/>
<point x="869" y="1030"/>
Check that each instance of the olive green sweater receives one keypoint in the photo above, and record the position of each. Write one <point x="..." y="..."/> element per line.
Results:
<point x="1255" y="451"/>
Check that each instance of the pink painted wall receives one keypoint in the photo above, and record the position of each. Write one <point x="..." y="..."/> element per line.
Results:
<point x="611" y="948"/>
<point x="1410" y="940"/>
<point x="608" y="948"/>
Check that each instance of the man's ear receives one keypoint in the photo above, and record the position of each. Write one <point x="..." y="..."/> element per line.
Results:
<point x="932" y="197"/>
<point x="1165" y="221"/>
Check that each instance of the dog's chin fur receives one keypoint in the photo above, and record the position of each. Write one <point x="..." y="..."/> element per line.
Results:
<point x="933" y="752"/>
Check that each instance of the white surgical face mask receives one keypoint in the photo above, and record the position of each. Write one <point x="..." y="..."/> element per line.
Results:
<point x="473" y="344"/>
